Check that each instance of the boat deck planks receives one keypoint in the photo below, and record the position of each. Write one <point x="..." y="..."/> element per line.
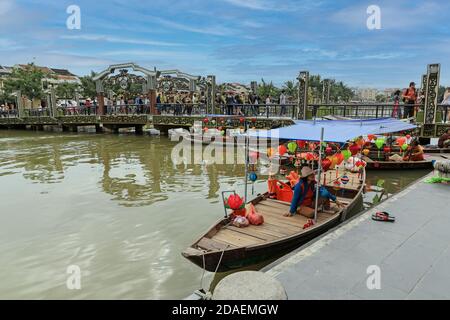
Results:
<point x="224" y="246"/>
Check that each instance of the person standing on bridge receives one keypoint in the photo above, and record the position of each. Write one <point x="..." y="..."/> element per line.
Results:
<point x="282" y="103"/>
<point x="409" y="98"/>
<point x="230" y="104"/>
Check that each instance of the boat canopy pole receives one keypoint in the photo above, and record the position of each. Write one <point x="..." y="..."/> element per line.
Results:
<point x="319" y="173"/>
<point x="246" y="162"/>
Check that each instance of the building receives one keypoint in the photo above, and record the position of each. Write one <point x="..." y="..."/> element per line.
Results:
<point x="366" y="94"/>
<point x="53" y="77"/>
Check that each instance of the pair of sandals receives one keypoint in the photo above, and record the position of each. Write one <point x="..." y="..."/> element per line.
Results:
<point x="383" y="216"/>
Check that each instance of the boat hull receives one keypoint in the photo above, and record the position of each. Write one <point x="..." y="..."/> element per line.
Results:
<point x="246" y="256"/>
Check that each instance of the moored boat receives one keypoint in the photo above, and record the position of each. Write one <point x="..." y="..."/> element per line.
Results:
<point x="224" y="247"/>
<point x="373" y="164"/>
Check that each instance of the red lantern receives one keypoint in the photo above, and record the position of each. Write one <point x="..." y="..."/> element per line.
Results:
<point x="408" y="136"/>
<point x="328" y="150"/>
<point x="354" y="149"/>
<point x="326" y="163"/>
<point x="371" y="137"/>
<point x="253" y="120"/>
<point x="282" y="149"/>
<point x="301" y="144"/>
<point x="235" y="201"/>
<point x="340" y="157"/>
<point x="309" y="156"/>
<point x="401" y="141"/>
<point x="241" y="120"/>
<point x="206" y="120"/>
<point x="387" y="149"/>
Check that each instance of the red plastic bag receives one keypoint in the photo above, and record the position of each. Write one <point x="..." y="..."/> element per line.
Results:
<point x="254" y="217"/>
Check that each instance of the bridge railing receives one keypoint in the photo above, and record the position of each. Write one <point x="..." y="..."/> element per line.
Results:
<point x="9" y="113"/>
<point x="178" y="109"/>
<point x="365" y="111"/>
<point x="261" y="110"/>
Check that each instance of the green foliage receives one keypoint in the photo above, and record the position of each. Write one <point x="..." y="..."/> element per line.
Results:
<point x="340" y="92"/>
<point x="291" y="89"/>
<point x="267" y="89"/>
<point x="88" y="86"/>
<point x="66" y="90"/>
<point x="28" y="80"/>
<point x="381" y="98"/>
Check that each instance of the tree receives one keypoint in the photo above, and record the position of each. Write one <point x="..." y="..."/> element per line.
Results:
<point x="28" y="80"/>
<point x="291" y="89"/>
<point x="267" y="89"/>
<point x="380" y="98"/>
<point x="88" y="89"/>
<point x="66" y="90"/>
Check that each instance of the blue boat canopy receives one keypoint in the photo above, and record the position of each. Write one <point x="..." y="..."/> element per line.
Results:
<point x="334" y="130"/>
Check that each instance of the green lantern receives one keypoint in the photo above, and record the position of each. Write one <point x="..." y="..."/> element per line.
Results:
<point x="346" y="153"/>
<point x="292" y="147"/>
<point x="404" y="146"/>
<point x="379" y="142"/>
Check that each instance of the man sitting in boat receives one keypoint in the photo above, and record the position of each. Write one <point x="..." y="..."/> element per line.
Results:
<point x="415" y="152"/>
<point x="444" y="140"/>
<point x="303" y="200"/>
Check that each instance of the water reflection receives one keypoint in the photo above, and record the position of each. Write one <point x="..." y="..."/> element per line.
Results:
<point x="135" y="171"/>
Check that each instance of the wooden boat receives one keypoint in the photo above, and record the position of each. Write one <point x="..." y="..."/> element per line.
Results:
<point x="374" y="164"/>
<point x="225" y="247"/>
<point x="428" y="149"/>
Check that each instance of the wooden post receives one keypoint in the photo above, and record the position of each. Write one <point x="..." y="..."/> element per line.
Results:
<point x="302" y="94"/>
<point x="431" y="93"/>
<point x="100" y="96"/>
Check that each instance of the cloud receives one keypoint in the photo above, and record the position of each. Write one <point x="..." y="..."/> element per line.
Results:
<point x="269" y="5"/>
<point x="212" y="30"/>
<point x="115" y="39"/>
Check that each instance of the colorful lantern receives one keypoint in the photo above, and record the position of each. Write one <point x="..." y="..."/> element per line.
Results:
<point x="301" y="144"/>
<point x="354" y="149"/>
<point x="404" y="146"/>
<point x="282" y="149"/>
<point x="328" y="150"/>
<point x="241" y="120"/>
<point x="371" y="137"/>
<point x="235" y="201"/>
<point x="340" y="158"/>
<point x="292" y="146"/>
<point x="347" y="154"/>
<point x="366" y="152"/>
<point x="387" y="149"/>
<point x="401" y="141"/>
<point x="206" y="120"/>
<point x="379" y="142"/>
<point x="359" y="142"/>
<point x="326" y="163"/>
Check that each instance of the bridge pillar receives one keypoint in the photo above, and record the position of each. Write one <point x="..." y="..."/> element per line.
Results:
<point x="431" y="93"/>
<point x="139" y="129"/>
<point x="302" y="94"/>
<point x="100" y="97"/>
<point x="326" y="91"/>
<point x="98" y="128"/>
<point x="211" y="94"/>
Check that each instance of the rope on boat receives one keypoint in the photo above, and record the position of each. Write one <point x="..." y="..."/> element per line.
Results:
<point x="203" y="273"/>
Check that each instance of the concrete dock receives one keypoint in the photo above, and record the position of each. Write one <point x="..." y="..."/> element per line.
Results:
<point x="412" y="254"/>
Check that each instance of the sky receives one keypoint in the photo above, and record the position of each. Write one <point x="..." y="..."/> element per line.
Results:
<point x="236" y="40"/>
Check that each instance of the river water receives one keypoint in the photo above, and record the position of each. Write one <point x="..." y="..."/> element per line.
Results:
<point x="117" y="208"/>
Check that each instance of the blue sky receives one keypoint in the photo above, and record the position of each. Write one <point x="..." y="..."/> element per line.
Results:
<point x="237" y="40"/>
